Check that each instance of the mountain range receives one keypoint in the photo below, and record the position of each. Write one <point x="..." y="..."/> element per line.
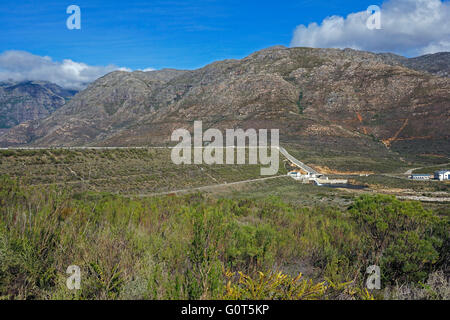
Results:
<point x="29" y="100"/>
<point x="325" y="98"/>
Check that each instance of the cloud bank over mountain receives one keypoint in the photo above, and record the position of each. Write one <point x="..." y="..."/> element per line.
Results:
<point x="22" y="65"/>
<point x="408" y="27"/>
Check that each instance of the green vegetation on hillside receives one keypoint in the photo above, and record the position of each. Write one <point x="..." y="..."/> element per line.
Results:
<point x="433" y="169"/>
<point x="403" y="182"/>
<point x="193" y="247"/>
<point x="300" y="106"/>
<point x="124" y="171"/>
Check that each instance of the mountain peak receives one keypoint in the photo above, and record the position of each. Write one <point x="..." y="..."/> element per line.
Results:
<point x="351" y="98"/>
<point x="29" y="100"/>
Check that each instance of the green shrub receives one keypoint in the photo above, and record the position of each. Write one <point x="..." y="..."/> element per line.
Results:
<point x="178" y="247"/>
<point x="400" y="236"/>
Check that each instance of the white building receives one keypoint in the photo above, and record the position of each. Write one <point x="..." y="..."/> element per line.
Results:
<point x="442" y="175"/>
<point x="306" y="177"/>
<point x="421" y="176"/>
<point x="295" y="174"/>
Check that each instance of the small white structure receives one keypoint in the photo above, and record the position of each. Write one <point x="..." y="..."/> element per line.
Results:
<point x="317" y="178"/>
<point x="299" y="176"/>
<point x="442" y="175"/>
<point x="296" y="175"/>
<point x="420" y="177"/>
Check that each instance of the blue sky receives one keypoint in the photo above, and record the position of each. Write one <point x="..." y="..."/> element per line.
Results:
<point x="35" y="43"/>
<point x="141" y="34"/>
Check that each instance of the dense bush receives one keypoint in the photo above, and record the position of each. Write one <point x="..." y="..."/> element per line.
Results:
<point x="400" y="236"/>
<point x="184" y="247"/>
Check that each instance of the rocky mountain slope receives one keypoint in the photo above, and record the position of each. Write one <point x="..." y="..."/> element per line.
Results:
<point x="437" y="64"/>
<point x="29" y="100"/>
<point x="325" y="98"/>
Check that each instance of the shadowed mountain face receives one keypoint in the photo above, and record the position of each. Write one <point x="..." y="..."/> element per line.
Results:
<point x="437" y="64"/>
<point x="29" y="100"/>
<point x="327" y="98"/>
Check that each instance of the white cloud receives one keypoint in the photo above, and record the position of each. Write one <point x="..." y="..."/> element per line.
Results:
<point x="440" y="46"/>
<point x="22" y="65"/>
<point x="409" y="27"/>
